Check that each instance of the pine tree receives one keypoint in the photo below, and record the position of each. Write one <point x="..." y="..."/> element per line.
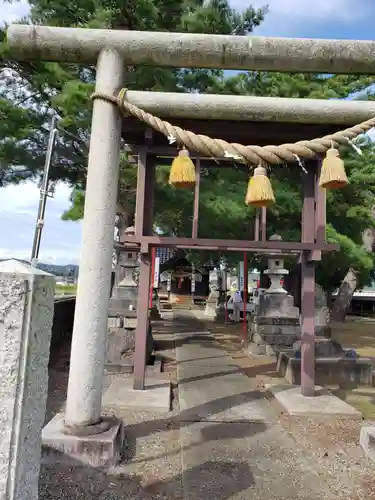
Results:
<point x="29" y="91"/>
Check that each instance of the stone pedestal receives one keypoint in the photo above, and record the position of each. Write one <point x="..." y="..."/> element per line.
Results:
<point x="275" y="324"/>
<point x="210" y="310"/>
<point x="26" y="316"/>
<point x="122" y="313"/>
<point x="212" y="301"/>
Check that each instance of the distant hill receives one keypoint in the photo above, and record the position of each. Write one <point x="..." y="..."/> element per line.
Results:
<point x="68" y="270"/>
<point x="58" y="270"/>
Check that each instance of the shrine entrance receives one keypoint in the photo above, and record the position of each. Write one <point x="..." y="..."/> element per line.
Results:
<point x="214" y="130"/>
<point x="307" y="251"/>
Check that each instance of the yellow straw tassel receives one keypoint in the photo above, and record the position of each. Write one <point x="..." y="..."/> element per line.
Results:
<point x="333" y="175"/>
<point x="182" y="173"/>
<point x="259" y="191"/>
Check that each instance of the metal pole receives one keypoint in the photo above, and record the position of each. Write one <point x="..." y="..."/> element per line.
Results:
<point x="43" y="193"/>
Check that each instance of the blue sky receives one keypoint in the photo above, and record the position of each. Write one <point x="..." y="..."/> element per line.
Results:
<point x="61" y="240"/>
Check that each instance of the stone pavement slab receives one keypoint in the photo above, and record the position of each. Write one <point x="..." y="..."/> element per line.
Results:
<point x="211" y="387"/>
<point x="232" y="444"/>
<point x="156" y="395"/>
<point x="324" y="404"/>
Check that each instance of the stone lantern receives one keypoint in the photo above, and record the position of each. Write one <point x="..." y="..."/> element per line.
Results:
<point x="276" y="271"/>
<point x="123" y="311"/>
<point x="275" y="324"/>
<point x="123" y="303"/>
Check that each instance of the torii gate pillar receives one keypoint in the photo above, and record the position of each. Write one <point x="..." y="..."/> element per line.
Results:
<point x="83" y="433"/>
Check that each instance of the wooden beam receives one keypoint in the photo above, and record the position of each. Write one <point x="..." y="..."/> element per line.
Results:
<point x="227" y="245"/>
<point x="248" y="132"/>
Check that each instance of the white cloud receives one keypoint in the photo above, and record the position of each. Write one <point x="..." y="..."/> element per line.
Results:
<point x="296" y="17"/>
<point x="61" y="240"/>
<point x="14" y="11"/>
<point x="18" y="211"/>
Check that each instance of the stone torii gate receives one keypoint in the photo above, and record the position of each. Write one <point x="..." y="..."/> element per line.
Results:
<point x="228" y="116"/>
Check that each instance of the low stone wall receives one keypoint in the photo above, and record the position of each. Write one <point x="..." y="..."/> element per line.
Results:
<point x="341" y="371"/>
<point x="63" y="318"/>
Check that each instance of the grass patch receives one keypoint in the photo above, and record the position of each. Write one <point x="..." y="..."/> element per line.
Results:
<point x="65" y="289"/>
<point x="358" y="335"/>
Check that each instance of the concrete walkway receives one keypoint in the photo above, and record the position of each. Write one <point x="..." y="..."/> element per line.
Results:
<point x="231" y="433"/>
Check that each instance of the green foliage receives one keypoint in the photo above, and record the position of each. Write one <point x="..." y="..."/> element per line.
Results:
<point x="29" y="91"/>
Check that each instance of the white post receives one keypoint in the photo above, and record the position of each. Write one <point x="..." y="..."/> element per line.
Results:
<point x="83" y="407"/>
<point x="26" y="316"/>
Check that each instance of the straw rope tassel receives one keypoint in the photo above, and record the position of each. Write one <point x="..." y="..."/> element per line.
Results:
<point x="182" y="173"/>
<point x="333" y="175"/>
<point x="259" y="190"/>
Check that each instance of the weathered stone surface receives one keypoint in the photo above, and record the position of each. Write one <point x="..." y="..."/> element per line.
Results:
<point x="276" y="330"/>
<point x="275" y="325"/>
<point x="367" y="441"/>
<point x="322" y="322"/>
<point x="277" y="305"/>
<point x="211" y="303"/>
<point x="121" y="345"/>
<point x="262" y="320"/>
<point x="343" y="372"/>
<point x="274" y="339"/>
<point x="95" y="450"/>
<point x="324" y="403"/>
<point x="320" y="297"/>
<point x="324" y="348"/>
<point x="26" y="317"/>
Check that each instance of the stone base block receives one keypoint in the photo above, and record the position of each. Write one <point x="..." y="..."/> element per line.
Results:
<point x="343" y="372"/>
<point x="281" y="340"/>
<point x="120" y="349"/>
<point x="324" y="348"/>
<point x="156" y="396"/>
<point x="95" y="450"/>
<point x="367" y="441"/>
<point x="323" y="404"/>
<point x="210" y="313"/>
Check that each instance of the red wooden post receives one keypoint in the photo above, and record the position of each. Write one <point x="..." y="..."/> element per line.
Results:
<point x="308" y="286"/>
<point x="143" y="226"/>
<point x="140" y="351"/>
<point x="264" y="223"/>
<point x="226" y="296"/>
<point x="257" y="224"/>
<point x="194" y="231"/>
<point x="245" y="286"/>
<point x="153" y="254"/>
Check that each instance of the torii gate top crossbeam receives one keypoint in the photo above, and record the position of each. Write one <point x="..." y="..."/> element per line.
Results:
<point x="186" y="50"/>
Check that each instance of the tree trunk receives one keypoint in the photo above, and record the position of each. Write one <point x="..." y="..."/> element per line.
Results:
<point x="344" y="297"/>
<point x="350" y="283"/>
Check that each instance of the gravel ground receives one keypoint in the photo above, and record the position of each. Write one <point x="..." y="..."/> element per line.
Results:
<point x="150" y="467"/>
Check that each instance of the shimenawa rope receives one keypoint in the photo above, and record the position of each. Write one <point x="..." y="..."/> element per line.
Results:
<point x="218" y="148"/>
